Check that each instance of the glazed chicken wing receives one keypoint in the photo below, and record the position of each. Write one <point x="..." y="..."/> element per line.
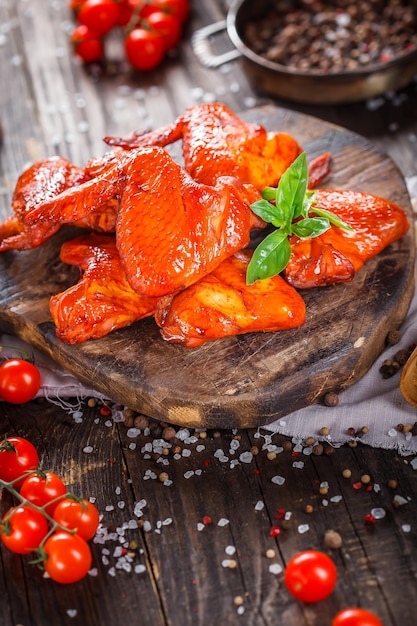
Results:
<point x="170" y="230"/>
<point x="41" y="182"/>
<point x="102" y="300"/>
<point x="222" y="304"/>
<point x="216" y="142"/>
<point x="338" y="254"/>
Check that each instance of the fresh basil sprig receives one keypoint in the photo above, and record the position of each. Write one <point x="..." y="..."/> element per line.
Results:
<point x="291" y="208"/>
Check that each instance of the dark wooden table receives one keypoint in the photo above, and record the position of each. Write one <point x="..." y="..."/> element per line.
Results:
<point x="188" y="533"/>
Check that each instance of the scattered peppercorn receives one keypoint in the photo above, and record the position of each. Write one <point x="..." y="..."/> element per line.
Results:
<point x="332" y="539"/>
<point x="331" y="399"/>
<point x="393" y="337"/>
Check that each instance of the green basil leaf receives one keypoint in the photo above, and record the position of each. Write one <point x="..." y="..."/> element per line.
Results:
<point x="292" y="187"/>
<point x="332" y="217"/>
<point x="269" y="213"/>
<point x="269" y="258"/>
<point x="269" y="193"/>
<point x="310" y="227"/>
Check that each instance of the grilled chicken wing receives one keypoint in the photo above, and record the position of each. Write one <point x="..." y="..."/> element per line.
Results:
<point x="222" y="304"/>
<point x="42" y="182"/>
<point x="102" y="300"/>
<point x="170" y="230"/>
<point x="216" y="142"/>
<point x="338" y="254"/>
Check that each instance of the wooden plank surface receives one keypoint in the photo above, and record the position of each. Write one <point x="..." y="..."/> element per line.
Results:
<point x="249" y="380"/>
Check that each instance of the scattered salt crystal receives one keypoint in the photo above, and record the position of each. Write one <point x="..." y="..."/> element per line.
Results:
<point x="118" y="491"/>
<point x="118" y="551"/>
<point x="226" y="563"/>
<point x="246" y="457"/>
<point x="392" y="432"/>
<point x="230" y="550"/>
<point x="189" y="474"/>
<point x="303" y="528"/>
<point x="399" y="500"/>
<point x="234" y="463"/>
<point x="109" y="507"/>
<point x="198" y="472"/>
<point x="133" y="432"/>
<point x="200" y="448"/>
<point x="182" y="434"/>
<point x="200" y="526"/>
<point x="324" y="484"/>
<point x="240" y="610"/>
<point x="413" y="463"/>
<point x="93" y="571"/>
<point x="308" y="450"/>
<point x="336" y="499"/>
<point x="108" y="423"/>
<point x="378" y="513"/>
<point x="167" y="521"/>
<point x="132" y="446"/>
<point x="112" y="571"/>
<point x="222" y="522"/>
<point x="377" y="488"/>
<point x="132" y="524"/>
<point x="288" y="515"/>
<point x="105" y="560"/>
<point x="298" y="464"/>
<point x="406" y="528"/>
<point x="259" y="505"/>
<point x="88" y="449"/>
<point x="234" y="444"/>
<point x="147" y="527"/>
<point x="275" y="568"/>
<point x="121" y="504"/>
<point x="139" y="569"/>
<point x="72" y="612"/>
<point x="298" y="447"/>
<point x="186" y="452"/>
<point x="325" y="502"/>
<point x="278" y="480"/>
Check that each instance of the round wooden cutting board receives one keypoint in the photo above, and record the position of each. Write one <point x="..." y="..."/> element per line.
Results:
<point x="253" y="379"/>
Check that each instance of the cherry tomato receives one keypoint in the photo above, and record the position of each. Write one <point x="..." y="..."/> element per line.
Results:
<point x="22" y="529"/>
<point x="356" y="617"/>
<point x="310" y="576"/>
<point x="68" y="557"/>
<point x="180" y="8"/>
<point x="168" y="25"/>
<point x="144" y="49"/>
<point x="87" y="45"/>
<point x="17" y="457"/>
<point x="79" y="515"/>
<point x="99" y="15"/>
<point x="42" y="487"/>
<point x="19" y="381"/>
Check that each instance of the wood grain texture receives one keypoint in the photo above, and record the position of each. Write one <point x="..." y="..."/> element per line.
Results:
<point x="252" y="379"/>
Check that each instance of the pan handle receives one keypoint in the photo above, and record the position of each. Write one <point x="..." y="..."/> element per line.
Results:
<point x="201" y="46"/>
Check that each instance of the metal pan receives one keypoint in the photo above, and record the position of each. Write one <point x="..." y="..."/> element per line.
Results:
<point x="299" y="86"/>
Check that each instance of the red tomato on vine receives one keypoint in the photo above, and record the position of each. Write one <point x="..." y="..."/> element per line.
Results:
<point x="40" y="488"/>
<point x="168" y="25"/>
<point x="68" y="557"/>
<point x="86" y="44"/>
<point x="23" y="529"/>
<point x="20" y="381"/>
<point x="356" y="617"/>
<point x="80" y="515"/>
<point x="17" y="458"/>
<point x="99" y="15"/>
<point x="144" y="49"/>
<point x="310" y="576"/>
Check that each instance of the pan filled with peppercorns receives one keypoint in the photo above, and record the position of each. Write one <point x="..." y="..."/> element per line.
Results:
<point x="317" y="51"/>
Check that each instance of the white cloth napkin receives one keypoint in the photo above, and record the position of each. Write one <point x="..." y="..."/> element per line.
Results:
<point x="373" y="401"/>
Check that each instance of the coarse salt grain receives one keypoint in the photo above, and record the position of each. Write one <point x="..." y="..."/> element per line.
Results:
<point x="223" y="522"/>
<point x="406" y="528"/>
<point x="259" y="506"/>
<point x="246" y="457"/>
<point x="275" y="568"/>
<point x="278" y="480"/>
<point x="88" y="449"/>
<point x="230" y="550"/>
<point x="303" y="528"/>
